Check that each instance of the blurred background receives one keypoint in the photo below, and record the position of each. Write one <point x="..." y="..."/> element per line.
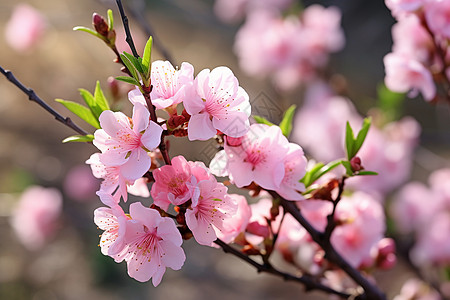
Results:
<point x="69" y="264"/>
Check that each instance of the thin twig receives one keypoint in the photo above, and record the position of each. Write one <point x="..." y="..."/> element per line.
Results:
<point x="129" y="38"/>
<point x="371" y="292"/>
<point x="33" y="97"/>
<point x="309" y="283"/>
<point x="331" y="222"/>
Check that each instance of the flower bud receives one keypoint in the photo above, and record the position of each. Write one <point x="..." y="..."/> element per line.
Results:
<point x="234" y="142"/>
<point x="100" y="25"/>
<point x="355" y="162"/>
<point x="258" y="229"/>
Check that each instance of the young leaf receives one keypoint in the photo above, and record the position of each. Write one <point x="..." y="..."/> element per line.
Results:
<point x="110" y="19"/>
<point x="129" y="80"/>
<point x="362" y="134"/>
<point x="349" y="141"/>
<point x="88" y="30"/>
<point x="348" y="167"/>
<point x="83" y="112"/>
<point x="262" y="120"/>
<point x="79" y="138"/>
<point x="91" y="103"/>
<point x="99" y="97"/>
<point x="146" y="58"/>
<point x="307" y="179"/>
<point x="366" y="173"/>
<point x="286" y="123"/>
<point x="136" y="63"/>
<point x="130" y="67"/>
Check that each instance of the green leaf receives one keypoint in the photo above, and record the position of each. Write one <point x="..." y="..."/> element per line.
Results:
<point x="146" y="58"/>
<point x="362" y="134"/>
<point x="286" y="123"/>
<point x="130" y="67"/>
<point x="99" y="97"/>
<point x="88" y="30"/>
<point x="349" y="141"/>
<point x="129" y="80"/>
<point x="81" y="111"/>
<point x="307" y="179"/>
<point x="135" y="61"/>
<point x="390" y="102"/>
<point x="318" y="171"/>
<point x="110" y="19"/>
<point x="364" y="173"/>
<point x="348" y="167"/>
<point x="79" y="138"/>
<point x="91" y="103"/>
<point x="262" y="120"/>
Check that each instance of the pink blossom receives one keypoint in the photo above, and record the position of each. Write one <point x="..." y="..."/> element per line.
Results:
<point x="319" y="126"/>
<point x="170" y="86"/>
<point x="289" y="50"/>
<point x="209" y="212"/>
<point x="412" y="40"/>
<point x="437" y="15"/>
<point x="114" y="182"/>
<point x="388" y="152"/>
<point x="258" y="228"/>
<point x="35" y="217"/>
<point x="404" y="74"/>
<point x="233" y="11"/>
<point x="139" y="188"/>
<point x="401" y="7"/>
<point x="170" y="183"/>
<point x="433" y="246"/>
<point x="126" y="142"/>
<point x="409" y="209"/>
<point x="222" y="105"/>
<point x="153" y="244"/>
<point x="294" y="170"/>
<point x="79" y="184"/>
<point x="260" y="158"/>
<point x="238" y="221"/>
<point x="316" y="212"/>
<point x="25" y="28"/>
<point x="416" y="289"/>
<point x="113" y="222"/>
<point x="363" y="226"/>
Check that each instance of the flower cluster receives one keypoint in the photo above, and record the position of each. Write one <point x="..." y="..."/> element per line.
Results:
<point x="428" y="220"/>
<point x="289" y="50"/>
<point x="419" y="54"/>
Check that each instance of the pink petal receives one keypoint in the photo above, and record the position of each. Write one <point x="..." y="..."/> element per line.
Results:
<point x="152" y="136"/>
<point x="149" y="217"/>
<point x="168" y="231"/>
<point x="200" y="128"/>
<point x="157" y="277"/>
<point x="142" y="272"/>
<point x="135" y="96"/>
<point x="114" y="123"/>
<point x="137" y="164"/>
<point x="173" y="257"/>
<point x="241" y="173"/>
<point x="141" y="117"/>
<point x="236" y="124"/>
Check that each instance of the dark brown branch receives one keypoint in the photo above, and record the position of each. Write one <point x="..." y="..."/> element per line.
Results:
<point x="309" y="283"/>
<point x="137" y="9"/>
<point x="129" y="38"/>
<point x="371" y="292"/>
<point x="33" y="97"/>
<point x="331" y="222"/>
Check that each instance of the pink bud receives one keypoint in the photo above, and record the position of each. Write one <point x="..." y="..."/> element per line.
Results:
<point x="386" y="246"/>
<point x="258" y="229"/>
<point x="388" y="262"/>
<point x="100" y="24"/>
<point x="355" y="162"/>
<point x="234" y="142"/>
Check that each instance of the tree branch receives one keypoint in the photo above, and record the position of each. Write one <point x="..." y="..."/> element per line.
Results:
<point x="33" y="97"/>
<point x="371" y="292"/>
<point x="309" y="282"/>
<point x="129" y="38"/>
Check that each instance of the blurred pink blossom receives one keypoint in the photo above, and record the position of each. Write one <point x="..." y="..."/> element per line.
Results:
<point x="437" y="15"/>
<point x="80" y="184"/>
<point x="289" y="50"/>
<point x="238" y="221"/>
<point x="400" y="8"/>
<point x="25" y="28"/>
<point x="234" y="10"/>
<point x="362" y="227"/>
<point x="35" y="219"/>
<point x="418" y="290"/>
<point x="405" y="74"/>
